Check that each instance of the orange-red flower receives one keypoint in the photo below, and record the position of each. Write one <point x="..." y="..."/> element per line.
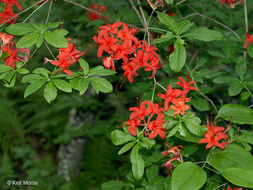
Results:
<point x="249" y="39"/>
<point x="186" y="85"/>
<point x="214" y="135"/>
<point x="118" y="40"/>
<point x="10" y="48"/>
<point x="144" y="115"/>
<point x="179" y="107"/>
<point x="7" y="14"/>
<point x="157" y="3"/>
<point x="99" y="8"/>
<point x="11" y="3"/>
<point x="229" y="188"/>
<point x="176" y="155"/>
<point x="66" y="57"/>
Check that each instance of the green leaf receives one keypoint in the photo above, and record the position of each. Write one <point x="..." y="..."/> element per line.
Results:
<point x="241" y="69"/>
<point x="147" y="143"/>
<point x="83" y="85"/>
<point x="4" y="68"/>
<point x="234" y="88"/>
<point x="168" y="21"/>
<point x="19" y="29"/>
<point x="62" y="85"/>
<point x="137" y="163"/>
<point x="33" y="87"/>
<point x="204" y="34"/>
<point x="84" y="65"/>
<point x="32" y="78"/>
<point x="173" y="131"/>
<point x="193" y="125"/>
<point x="236" y="113"/>
<point x="28" y="40"/>
<point x="114" y="185"/>
<point x="39" y="41"/>
<point x="151" y="173"/>
<point x="200" y="104"/>
<point x="101" y="84"/>
<point x="75" y="83"/>
<point x="56" y="39"/>
<point x="42" y="71"/>
<point x="250" y="50"/>
<point x="100" y="71"/>
<point x="239" y="177"/>
<point x="246" y="137"/>
<point x="188" y="176"/>
<point x="169" y="2"/>
<point x="50" y="92"/>
<point x="178" y="57"/>
<point x="234" y="156"/>
<point x="119" y="137"/>
<point x="126" y="147"/>
<point x="184" y="26"/>
<point x="22" y="71"/>
<point x="163" y="38"/>
<point x="54" y="24"/>
<point x="224" y="80"/>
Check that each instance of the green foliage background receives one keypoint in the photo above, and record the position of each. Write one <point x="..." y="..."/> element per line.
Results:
<point x="31" y="130"/>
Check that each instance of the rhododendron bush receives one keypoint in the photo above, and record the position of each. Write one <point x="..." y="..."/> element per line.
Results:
<point x="131" y="94"/>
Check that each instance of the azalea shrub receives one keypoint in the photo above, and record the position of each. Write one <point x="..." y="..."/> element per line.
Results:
<point x="177" y="73"/>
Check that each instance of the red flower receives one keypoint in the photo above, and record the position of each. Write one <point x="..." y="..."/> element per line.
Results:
<point x="108" y="63"/>
<point x="230" y="2"/>
<point x="169" y="96"/>
<point x="93" y="16"/>
<point x="156" y="127"/>
<point x="186" y="85"/>
<point x="229" y="188"/>
<point x="171" y="49"/>
<point x="213" y="135"/>
<point x="133" y="123"/>
<point x="7" y="14"/>
<point x="179" y="107"/>
<point x="142" y="116"/>
<point x="158" y="3"/>
<point x="176" y="155"/>
<point x="170" y="14"/>
<point x="249" y="39"/>
<point x="11" y="3"/>
<point x="66" y="57"/>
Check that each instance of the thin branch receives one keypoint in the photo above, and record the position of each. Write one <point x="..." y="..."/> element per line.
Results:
<point x="246" y="25"/>
<point x="153" y="93"/>
<point x="212" y="19"/>
<point x="49" y="50"/>
<point x="137" y="12"/>
<point x="35" y="11"/>
<point x="27" y="9"/>
<point x="220" y="186"/>
<point x="49" y="11"/>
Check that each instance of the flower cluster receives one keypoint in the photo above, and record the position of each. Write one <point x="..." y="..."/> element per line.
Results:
<point x="231" y="3"/>
<point x="121" y="44"/>
<point x="157" y="3"/>
<point x="8" y="11"/>
<point x="229" y="188"/>
<point x="144" y="115"/>
<point x="10" y="48"/>
<point x="177" y="97"/>
<point x="176" y="155"/>
<point x="249" y="39"/>
<point x="99" y="8"/>
<point x="66" y="57"/>
<point x="215" y="134"/>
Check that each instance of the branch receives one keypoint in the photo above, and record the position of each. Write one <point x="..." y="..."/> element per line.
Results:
<point x="137" y="12"/>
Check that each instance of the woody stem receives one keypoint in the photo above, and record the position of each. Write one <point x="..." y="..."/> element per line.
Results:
<point x="246" y="25"/>
<point x="49" y="11"/>
<point x="35" y="11"/>
<point x="27" y="9"/>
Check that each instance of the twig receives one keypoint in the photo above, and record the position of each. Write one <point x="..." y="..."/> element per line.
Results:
<point x="178" y="3"/>
<point x="153" y="93"/>
<point x="83" y="7"/>
<point x="35" y="11"/>
<point x="246" y="26"/>
<point x="220" y="186"/>
<point x="137" y="12"/>
<point x="49" y="50"/>
<point x="27" y="9"/>
<point x="49" y="11"/>
<point x="212" y="19"/>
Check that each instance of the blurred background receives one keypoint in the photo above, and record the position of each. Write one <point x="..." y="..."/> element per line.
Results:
<point x="66" y="144"/>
